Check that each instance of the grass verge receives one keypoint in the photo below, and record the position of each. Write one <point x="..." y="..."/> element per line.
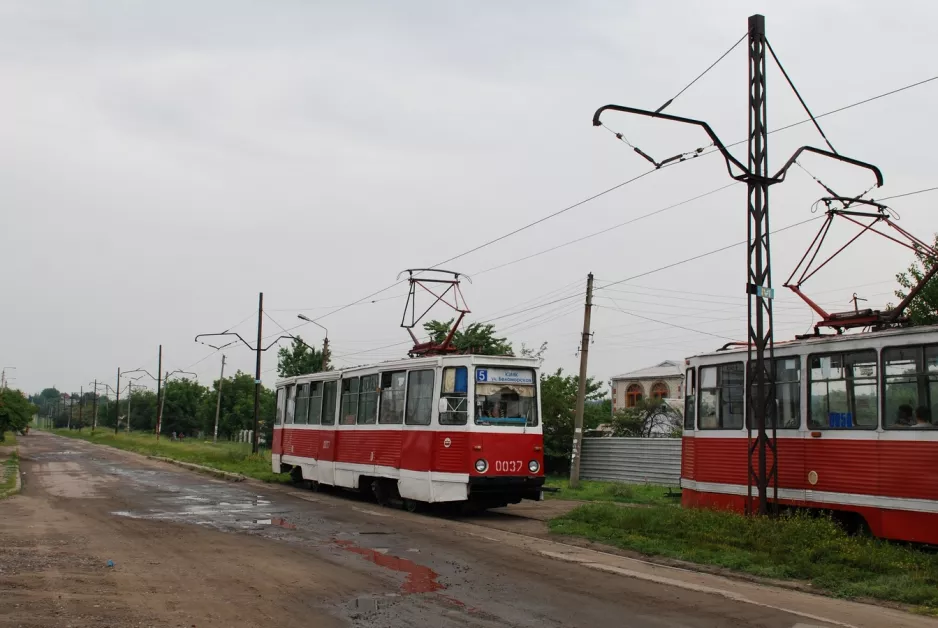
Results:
<point x="811" y="549"/>
<point x="593" y="491"/>
<point x="233" y="457"/>
<point x="8" y="471"/>
<point x="9" y="439"/>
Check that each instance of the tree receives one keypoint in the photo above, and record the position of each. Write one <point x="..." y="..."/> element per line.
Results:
<point x="477" y="338"/>
<point x="647" y="418"/>
<point x="923" y="309"/>
<point x="181" y="405"/>
<point x="237" y="407"/>
<point x="298" y="359"/>
<point x="142" y="410"/>
<point x="558" y="406"/>
<point x="15" y="411"/>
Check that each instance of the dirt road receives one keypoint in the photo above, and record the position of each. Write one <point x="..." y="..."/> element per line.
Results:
<point x="188" y="550"/>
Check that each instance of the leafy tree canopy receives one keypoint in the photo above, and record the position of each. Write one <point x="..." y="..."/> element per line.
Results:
<point x="477" y="338"/>
<point x="923" y="309"/>
<point x="646" y="418"/>
<point x="558" y="407"/>
<point x="15" y="411"/>
<point x="298" y="359"/>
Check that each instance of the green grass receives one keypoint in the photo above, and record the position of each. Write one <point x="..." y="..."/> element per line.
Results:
<point x="233" y="457"/>
<point x="9" y="438"/>
<point x="811" y="549"/>
<point x="8" y="470"/>
<point x="592" y="491"/>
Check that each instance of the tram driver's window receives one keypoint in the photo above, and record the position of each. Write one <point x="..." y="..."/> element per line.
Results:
<point x="843" y="391"/>
<point x="690" y="398"/>
<point x="721" y="397"/>
<point x="348" y="410"/>
<point x="419" y="398"/>
<point x="455" y="393"/>
<point x="281" y="405"/>
<point x="911" y="386"/>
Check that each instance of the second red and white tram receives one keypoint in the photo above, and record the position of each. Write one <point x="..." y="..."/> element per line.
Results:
<point x="856" y="433"/>
<point x="449" y="428"/>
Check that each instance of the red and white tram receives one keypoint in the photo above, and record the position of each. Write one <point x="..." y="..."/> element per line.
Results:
<point x="856" y="433"/>
<point x="448" y="428"/>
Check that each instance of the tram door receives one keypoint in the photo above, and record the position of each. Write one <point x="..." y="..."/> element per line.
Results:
<point x="325" y="452"/>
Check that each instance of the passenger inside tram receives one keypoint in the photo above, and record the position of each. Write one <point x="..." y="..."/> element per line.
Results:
<point x="904" y="416"/>
<point x="922" y="417"/>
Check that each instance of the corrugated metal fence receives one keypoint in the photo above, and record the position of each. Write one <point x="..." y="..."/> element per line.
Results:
<point x="633" y="460"/>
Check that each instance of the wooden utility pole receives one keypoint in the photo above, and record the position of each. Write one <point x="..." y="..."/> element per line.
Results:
<point x="81" y="405"/>
<point x="581" y="393"/>
<point x="221" y="379"/>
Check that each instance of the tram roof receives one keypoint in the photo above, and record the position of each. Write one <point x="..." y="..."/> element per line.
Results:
<point x="811" y="343"/>
<point x="506" y="361"/>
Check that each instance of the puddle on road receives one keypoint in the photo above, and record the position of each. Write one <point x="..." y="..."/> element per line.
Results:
<point x="276" y="521"/>
<point x="419" y="579"/>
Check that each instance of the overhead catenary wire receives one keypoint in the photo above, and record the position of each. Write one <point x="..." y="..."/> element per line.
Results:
<point x="656" y="320"/>
<point x="701" y="75"/>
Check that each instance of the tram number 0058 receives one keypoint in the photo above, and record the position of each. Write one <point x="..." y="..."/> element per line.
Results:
<point x="508" y="466"/>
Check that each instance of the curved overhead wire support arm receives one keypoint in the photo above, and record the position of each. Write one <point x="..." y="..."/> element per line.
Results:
<point x="226" y="333"/>
<point x="730" y="159"/>
<point x="780" y="175"/>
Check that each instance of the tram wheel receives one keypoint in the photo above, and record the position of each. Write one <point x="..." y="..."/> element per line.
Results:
<point x="411" y="505"/>
<point x="296" y="475"/>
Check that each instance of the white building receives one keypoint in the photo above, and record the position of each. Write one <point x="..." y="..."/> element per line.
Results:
<point x="662" y="381"/>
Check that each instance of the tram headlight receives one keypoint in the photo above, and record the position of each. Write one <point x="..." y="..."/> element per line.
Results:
<point x="481" y="465"/>
<point x="534" y="466"/>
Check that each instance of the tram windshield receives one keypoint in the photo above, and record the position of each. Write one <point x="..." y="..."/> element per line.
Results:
<point x="505" y="397"/>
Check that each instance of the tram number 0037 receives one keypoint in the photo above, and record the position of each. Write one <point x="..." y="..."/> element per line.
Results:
<point x="508" y="466"/>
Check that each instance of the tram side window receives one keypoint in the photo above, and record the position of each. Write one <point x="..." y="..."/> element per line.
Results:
<point x="787" y="394"/>
<point x="456" y="394"/>
<point x="281" y="405"/>
<point x="843" y="391"/>
<point x="328" y="402"/>
<point x="348" y="412"/>
<point x="911" y="387"/>
<point x="368" y="400"/>
<point x="291" y="400"/>
<point x="392" y="398"/>
<point x="721" y="397"/>
<point x="419" y="398"/>
<point x="690" y="399"/>
<point x="302" y="404"/>
<point x="315" y="403"/>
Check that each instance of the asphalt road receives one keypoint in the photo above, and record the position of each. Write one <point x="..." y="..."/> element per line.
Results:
<point x="188" y="550"/>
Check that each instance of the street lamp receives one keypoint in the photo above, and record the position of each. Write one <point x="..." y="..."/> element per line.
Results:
<point x="325" y="341"/>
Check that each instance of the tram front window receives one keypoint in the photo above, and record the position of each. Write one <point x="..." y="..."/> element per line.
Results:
<point x="505" y="397"/>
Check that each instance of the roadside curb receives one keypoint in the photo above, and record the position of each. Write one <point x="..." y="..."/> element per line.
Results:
<point x="218" y="473"/>
<point x="17" y="482"/>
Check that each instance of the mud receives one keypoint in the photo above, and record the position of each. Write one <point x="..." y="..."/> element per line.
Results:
<point x="190" y="550"/>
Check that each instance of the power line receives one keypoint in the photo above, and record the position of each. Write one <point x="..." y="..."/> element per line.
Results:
<point x="701" y="75"/>
<point x="908" y="193"/>
<point x="606" y="230"/>
<point x="655" y="320"/>
<point x="702" y="255"/>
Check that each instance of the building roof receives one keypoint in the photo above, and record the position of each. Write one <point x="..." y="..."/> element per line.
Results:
<point x="668" y="368"/>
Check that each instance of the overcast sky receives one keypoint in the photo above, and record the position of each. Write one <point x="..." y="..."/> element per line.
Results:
<point x="163" y="162"/>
